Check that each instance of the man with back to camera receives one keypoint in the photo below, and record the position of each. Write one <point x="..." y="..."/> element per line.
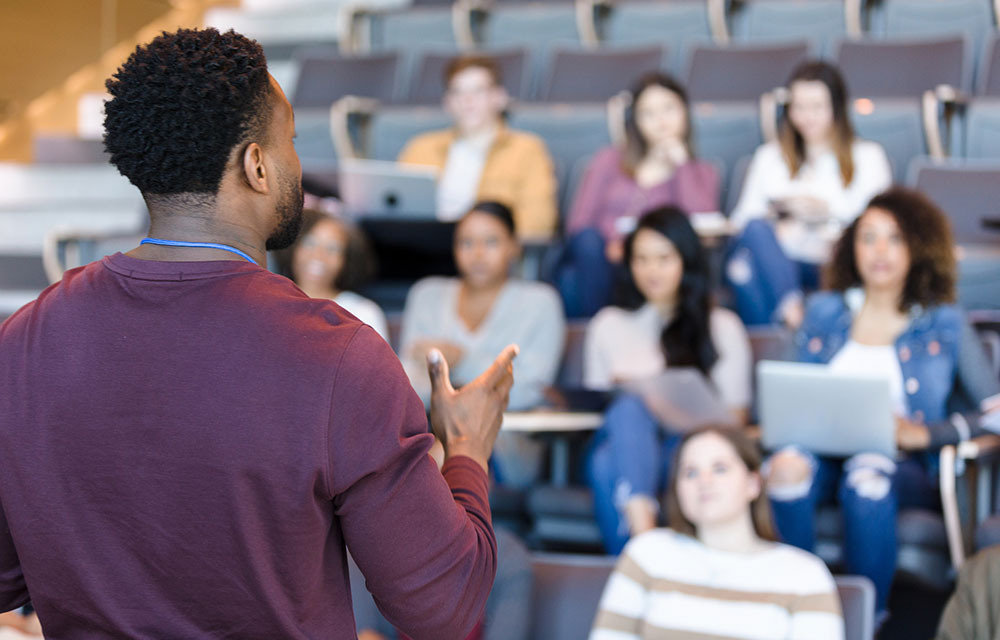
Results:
<point x="187" y="441"/>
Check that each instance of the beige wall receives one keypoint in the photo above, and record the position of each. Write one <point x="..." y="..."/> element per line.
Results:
<point x="52" y="51"/>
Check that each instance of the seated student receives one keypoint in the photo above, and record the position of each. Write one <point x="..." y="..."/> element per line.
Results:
<point x="466" y="317"/>
<point x="717" y="572"/>
<point x="816" y="178"/>
<point x="332" y="259"/>
<point x="666" y="319"/>
<point x="971" y="612"/>
<point x="655" y="167"/>
<point x="480" y="158"/>
<point x="891" y="312"/>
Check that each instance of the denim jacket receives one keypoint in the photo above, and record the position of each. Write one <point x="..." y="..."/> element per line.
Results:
<point x="946" y="377"/>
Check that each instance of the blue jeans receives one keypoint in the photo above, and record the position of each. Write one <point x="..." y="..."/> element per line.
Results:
<point x="629" y="456"/>
<point x="761" y="275"/>
<point x="870" y="492"/>
<point x="584" y="277"/>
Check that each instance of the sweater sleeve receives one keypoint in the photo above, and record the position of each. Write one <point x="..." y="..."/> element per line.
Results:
<point x="535" y="202"/>
<point x="423" y="539"/>
<point x="697" y="187"/>
<point x="975" y="380"/>
<point x="620" y="614"/>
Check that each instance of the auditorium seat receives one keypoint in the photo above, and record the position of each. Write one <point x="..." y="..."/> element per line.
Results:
<point x="724" y="132"/>
<point x="931" y="18"/>
<point x="741" y="72"/>
<point x="894" y="123"/>
<point x="903" y="68"/>
<point x="988" y="81"/>
<point x="538" y="26"/>
<point x="313" y="142"/>
<point x="821" y="22"/>
<point x="981" y="122"/>
<point x="591" y="76"/>
<point x="390" y="128"/>
<point x="530" y="24"/>
<point x="570" y="131"/>
<point x="681" y="23"/>
<point x="427" y="83"/>
<point x="412" y="28"/>
<point x="969" y="192"/>
<point x="323" y="79"/>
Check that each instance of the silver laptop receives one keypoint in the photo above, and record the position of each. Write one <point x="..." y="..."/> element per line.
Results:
<point x="376" y="188"/>
<point x="681" y="399"/>
<point x="824" y="412"/>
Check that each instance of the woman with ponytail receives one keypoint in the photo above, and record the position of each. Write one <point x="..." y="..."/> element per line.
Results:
<point x="665" y="317"/>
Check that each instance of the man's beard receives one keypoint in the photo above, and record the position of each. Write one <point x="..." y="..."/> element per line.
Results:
<point x="289" y="214"/>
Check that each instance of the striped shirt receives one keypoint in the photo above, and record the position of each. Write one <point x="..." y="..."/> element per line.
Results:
<point x="668" y="586"/>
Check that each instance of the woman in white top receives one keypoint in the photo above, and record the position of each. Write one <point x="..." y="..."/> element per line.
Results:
<point x="799" y="192"/>
<point x="717" y="572"/>
<point x="666" y="318"/>
<point x="332" y="260"/>
<point x="467" y="317"/>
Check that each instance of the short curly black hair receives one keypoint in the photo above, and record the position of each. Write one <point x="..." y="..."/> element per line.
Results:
<point x="180" y="104"/>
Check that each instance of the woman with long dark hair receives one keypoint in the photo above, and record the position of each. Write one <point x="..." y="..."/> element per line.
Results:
<point x="799" y="192"/>
<point x="655" y="166"/>
<point x="718" y="571"/>
<point x="666" y="319"/>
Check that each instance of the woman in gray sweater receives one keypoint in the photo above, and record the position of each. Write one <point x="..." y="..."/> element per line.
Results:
<point x="467" y="317"/>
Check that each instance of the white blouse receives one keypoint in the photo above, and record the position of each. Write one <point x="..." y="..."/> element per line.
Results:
<point x="768" y="178"/>
<point x="623" y="345"/>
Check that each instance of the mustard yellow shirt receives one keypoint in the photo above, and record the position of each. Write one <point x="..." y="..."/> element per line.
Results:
<point x="518" y="172"/>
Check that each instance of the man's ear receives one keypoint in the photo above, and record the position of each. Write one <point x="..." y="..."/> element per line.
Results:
<point x="254" y="171"/>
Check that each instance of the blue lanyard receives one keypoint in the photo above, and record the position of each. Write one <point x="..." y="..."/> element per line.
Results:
<point x="206" y="245"/>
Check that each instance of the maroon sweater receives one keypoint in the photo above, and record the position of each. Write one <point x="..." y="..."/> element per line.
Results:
<point x="185" y="449"/>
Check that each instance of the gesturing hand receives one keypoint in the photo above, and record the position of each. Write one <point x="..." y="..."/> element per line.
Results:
<point x="467" y="421"/>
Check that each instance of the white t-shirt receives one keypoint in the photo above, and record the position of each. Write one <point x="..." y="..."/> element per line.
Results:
<point x="768" y="178"/>
<point x="873" y="361"/>
<point x="623" y="345"/>
<point x="459" y="182"/>
<point x="364" y="310"/>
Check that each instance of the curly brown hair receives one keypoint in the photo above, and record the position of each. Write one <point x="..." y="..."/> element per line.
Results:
<point x="927" y="232"/>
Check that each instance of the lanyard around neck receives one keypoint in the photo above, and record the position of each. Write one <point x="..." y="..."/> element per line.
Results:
<point x="204" y="245"/>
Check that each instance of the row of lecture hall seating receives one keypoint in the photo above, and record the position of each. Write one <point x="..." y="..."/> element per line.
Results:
<point x="872" y="68"/>
<point x="593" y="24"/>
